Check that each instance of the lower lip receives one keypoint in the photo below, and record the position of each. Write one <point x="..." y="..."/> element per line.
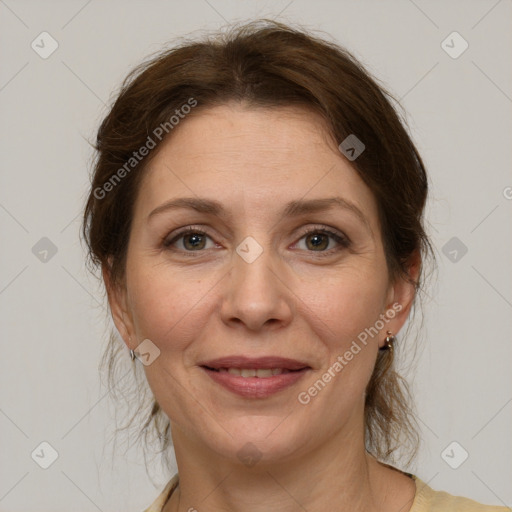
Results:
<point x="255" y="387"/>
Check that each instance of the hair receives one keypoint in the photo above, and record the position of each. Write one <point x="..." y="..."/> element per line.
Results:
<point x="266" y="64"/>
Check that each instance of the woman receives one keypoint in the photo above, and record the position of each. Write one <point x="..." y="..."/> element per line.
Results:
<point x="256" y="209"/>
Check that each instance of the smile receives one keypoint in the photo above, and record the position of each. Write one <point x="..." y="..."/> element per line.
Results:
<point x="255" y="383"/>
<point x="261" y="373"/>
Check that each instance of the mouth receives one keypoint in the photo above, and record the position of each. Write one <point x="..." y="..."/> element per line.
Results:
<point x="255" y="377"/>
<point x="255" y="363"/>
<point x="261" y="373"/>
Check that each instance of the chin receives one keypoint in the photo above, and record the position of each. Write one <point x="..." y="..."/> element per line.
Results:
<point x="260" y="440"/>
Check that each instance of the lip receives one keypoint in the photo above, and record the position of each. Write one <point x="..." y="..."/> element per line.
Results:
<point x="255" y="363"/>
<point x="255" y="387"/>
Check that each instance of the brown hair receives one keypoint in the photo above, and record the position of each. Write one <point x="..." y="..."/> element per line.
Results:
<point x="268" y="64"/>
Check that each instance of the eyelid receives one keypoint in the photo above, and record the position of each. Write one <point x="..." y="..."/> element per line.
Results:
<point x="340" y="237"/>
<point x="170" y="238"/>
<point x="320" y="228"/>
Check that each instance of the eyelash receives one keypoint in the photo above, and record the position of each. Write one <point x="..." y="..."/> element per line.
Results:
<point x="340" y="238"/>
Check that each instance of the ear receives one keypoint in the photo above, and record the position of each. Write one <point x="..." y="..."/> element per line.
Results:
<point x="401" y="297"/>
<point x="117" y="299"/>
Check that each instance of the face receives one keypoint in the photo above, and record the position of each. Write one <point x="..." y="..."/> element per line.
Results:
<point x="277" y="253"/>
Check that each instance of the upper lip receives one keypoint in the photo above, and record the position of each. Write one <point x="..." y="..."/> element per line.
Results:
<point x="254" y="363"/>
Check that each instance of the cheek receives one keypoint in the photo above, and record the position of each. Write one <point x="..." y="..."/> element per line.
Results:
<point x="348" y="304"/>
<point x="169" y="307"/>
<point x="345" y="318"/>
<point x="172" y="310"/>
<point x="174" y="307"/>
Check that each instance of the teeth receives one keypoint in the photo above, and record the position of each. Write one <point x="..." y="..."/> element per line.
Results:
<point x="251" y="372"/>
<point x="263" y="373"/>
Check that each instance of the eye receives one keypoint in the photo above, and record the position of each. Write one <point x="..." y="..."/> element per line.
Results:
<point x="317" y="240"/>
<point x="193" y="239"/>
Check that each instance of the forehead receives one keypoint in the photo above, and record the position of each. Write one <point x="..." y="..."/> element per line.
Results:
<point x="236" y="135"/>
<point x="251" y="156"/>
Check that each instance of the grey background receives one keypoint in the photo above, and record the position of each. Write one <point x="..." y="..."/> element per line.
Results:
<point x="52" y="321"/>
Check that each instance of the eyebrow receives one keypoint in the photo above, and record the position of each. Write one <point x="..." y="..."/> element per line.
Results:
<point x="291" y="209"/>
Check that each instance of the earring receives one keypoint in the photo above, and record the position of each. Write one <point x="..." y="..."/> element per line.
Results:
<point x="389" y="340"/>
<point x="132" y="352"/>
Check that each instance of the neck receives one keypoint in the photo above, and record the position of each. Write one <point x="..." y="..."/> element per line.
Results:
<point x="339" y="475"/>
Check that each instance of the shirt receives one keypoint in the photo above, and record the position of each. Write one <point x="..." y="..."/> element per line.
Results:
<point x="426" y="499"/>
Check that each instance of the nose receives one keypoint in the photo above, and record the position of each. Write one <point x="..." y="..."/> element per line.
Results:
<point x="256" y="294"/>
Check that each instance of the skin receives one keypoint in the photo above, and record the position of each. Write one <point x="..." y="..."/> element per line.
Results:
<point x="289" y="302"/>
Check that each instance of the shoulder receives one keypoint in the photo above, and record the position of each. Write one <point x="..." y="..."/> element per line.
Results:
<point x="158" y="504"/>
<point x="430" y="500"/>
